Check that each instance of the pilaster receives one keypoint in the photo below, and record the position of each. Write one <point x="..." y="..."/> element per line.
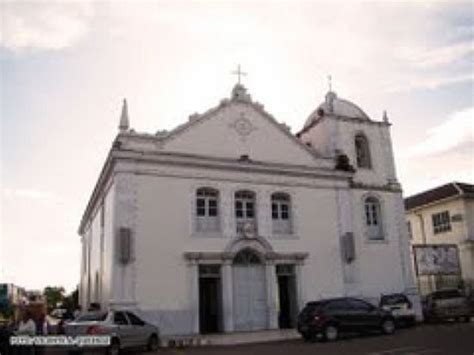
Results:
<point x="271" y="281"/>
<point x="227" y="296"/>
<point x="194" y="294"/>
<point x="300" y="298"/>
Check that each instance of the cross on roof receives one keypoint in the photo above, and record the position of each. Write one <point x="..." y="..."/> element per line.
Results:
<point x="239" y="73"/>
<point x="330" y="82"/>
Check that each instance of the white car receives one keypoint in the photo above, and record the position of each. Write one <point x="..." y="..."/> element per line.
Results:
<point x="400" y="307"/>
<point x="125" y="328"/>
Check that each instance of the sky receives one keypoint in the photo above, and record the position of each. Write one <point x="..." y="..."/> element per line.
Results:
<point x="66" y="66"/>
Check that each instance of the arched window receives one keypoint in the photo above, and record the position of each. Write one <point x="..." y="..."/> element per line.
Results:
<point x="207" y="210"/>
<point x="247" y="257"/>
<point x="362" y="152"/>
<point x="373" y="218"/>
<point x="281" y="213"/>
<point x="245" y="211"/>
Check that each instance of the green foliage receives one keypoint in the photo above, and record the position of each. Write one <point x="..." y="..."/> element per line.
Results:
<point x="71" y="301"/>
<point x="54" y="295"/>
<point x="8" y="313"/>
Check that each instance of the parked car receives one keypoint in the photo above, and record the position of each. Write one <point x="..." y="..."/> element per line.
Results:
<point x="447" y="304"/>
<point x="124" y="327"/>
<point x="326" y="319"/>
<point x="58" y="313"/>
<point x="400" y="307"/>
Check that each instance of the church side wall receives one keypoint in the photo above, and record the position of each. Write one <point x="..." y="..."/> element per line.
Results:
<point x="108" y="247"/>
<point x="95" y="272"/>
<point x="96" y="254"/>
<point x="382" y="265"/>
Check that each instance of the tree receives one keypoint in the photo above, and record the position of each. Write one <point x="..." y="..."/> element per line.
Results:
<point x="71" y="301"/>
<point x="53" y="295"/>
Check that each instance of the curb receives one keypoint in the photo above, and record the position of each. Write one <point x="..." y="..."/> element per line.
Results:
<point x="224" y="339"/>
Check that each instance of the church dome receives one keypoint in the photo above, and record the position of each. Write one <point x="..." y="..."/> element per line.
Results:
<point x="336" y="106"/>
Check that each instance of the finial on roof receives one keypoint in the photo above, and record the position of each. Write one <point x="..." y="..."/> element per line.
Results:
<point x="385" y="117"/>
<point x="124" y="122"/>
<point x="239" y="73"/>
<point x="330" y="96"/>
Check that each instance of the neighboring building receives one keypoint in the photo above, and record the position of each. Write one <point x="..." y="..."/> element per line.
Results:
<point x="35" y="296"/>
<point x="229" y="222"/>
<point x="11" y="295"/>
<point x="444" y="216"/>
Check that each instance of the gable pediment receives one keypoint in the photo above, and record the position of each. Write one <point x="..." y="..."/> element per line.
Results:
<point x="239" y="128"/>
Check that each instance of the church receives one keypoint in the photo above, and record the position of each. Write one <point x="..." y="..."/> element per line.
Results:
<point x="229" y="222"/>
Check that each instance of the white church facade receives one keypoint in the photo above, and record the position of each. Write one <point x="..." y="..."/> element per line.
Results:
<point x="230" y="222"/>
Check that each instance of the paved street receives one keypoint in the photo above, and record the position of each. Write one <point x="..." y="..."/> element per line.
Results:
<point x="449" y="339"/>
<point x="441" y="339"/>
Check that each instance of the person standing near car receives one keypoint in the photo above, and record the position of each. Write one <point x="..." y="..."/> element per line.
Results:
<point x="26" y="326"/>
<point x="77" y="312"/>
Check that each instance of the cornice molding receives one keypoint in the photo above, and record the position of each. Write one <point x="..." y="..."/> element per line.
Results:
<point x="390" y="187"/>
<point x="248" y="166"/>
<point x="319" y="119"/>
<point x="194" y="161"/>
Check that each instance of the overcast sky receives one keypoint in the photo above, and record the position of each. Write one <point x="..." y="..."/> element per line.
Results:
<point x="65" y="67"/>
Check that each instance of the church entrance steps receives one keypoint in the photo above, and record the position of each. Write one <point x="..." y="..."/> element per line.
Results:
<point x="229" y="338"/>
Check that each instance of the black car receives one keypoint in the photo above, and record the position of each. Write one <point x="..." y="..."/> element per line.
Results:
<point x="326" y="319"/>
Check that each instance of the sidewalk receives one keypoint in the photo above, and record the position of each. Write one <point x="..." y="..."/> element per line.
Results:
<point x="230" y="338"/>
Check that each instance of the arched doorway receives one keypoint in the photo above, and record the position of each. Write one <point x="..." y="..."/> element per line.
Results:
<point x="249" y="291"/>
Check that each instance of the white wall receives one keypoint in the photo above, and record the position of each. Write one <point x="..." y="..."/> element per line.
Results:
<point x="334" y="133"/>
<point x="95" y="263"/>
<point x="379" y="263"/>
<point x="164" y="231"/>
<point x="469" y="218"/>
<point x="156" y="201"/>
<point x="163" y="209"/>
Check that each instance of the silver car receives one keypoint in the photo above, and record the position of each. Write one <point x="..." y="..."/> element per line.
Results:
<point x="447" y="304"/>
<point x="124" y="327"/>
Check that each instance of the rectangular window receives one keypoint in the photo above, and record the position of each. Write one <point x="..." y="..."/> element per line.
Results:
<point x="200" y="207"/>
<point x="368" y="215"/>
<point x="249" y="206"/>
<point x="371" y="214"/>
<point x="281" y="217"/>
<point x="374" y="215"/>
<point x="239" y="212"/>
<point x="207" y="210"/>
<point x="212" y="208"/>
<point x="274" y="211"/>
<point x="410" y="235"/>
<point x="441" y="222"/>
